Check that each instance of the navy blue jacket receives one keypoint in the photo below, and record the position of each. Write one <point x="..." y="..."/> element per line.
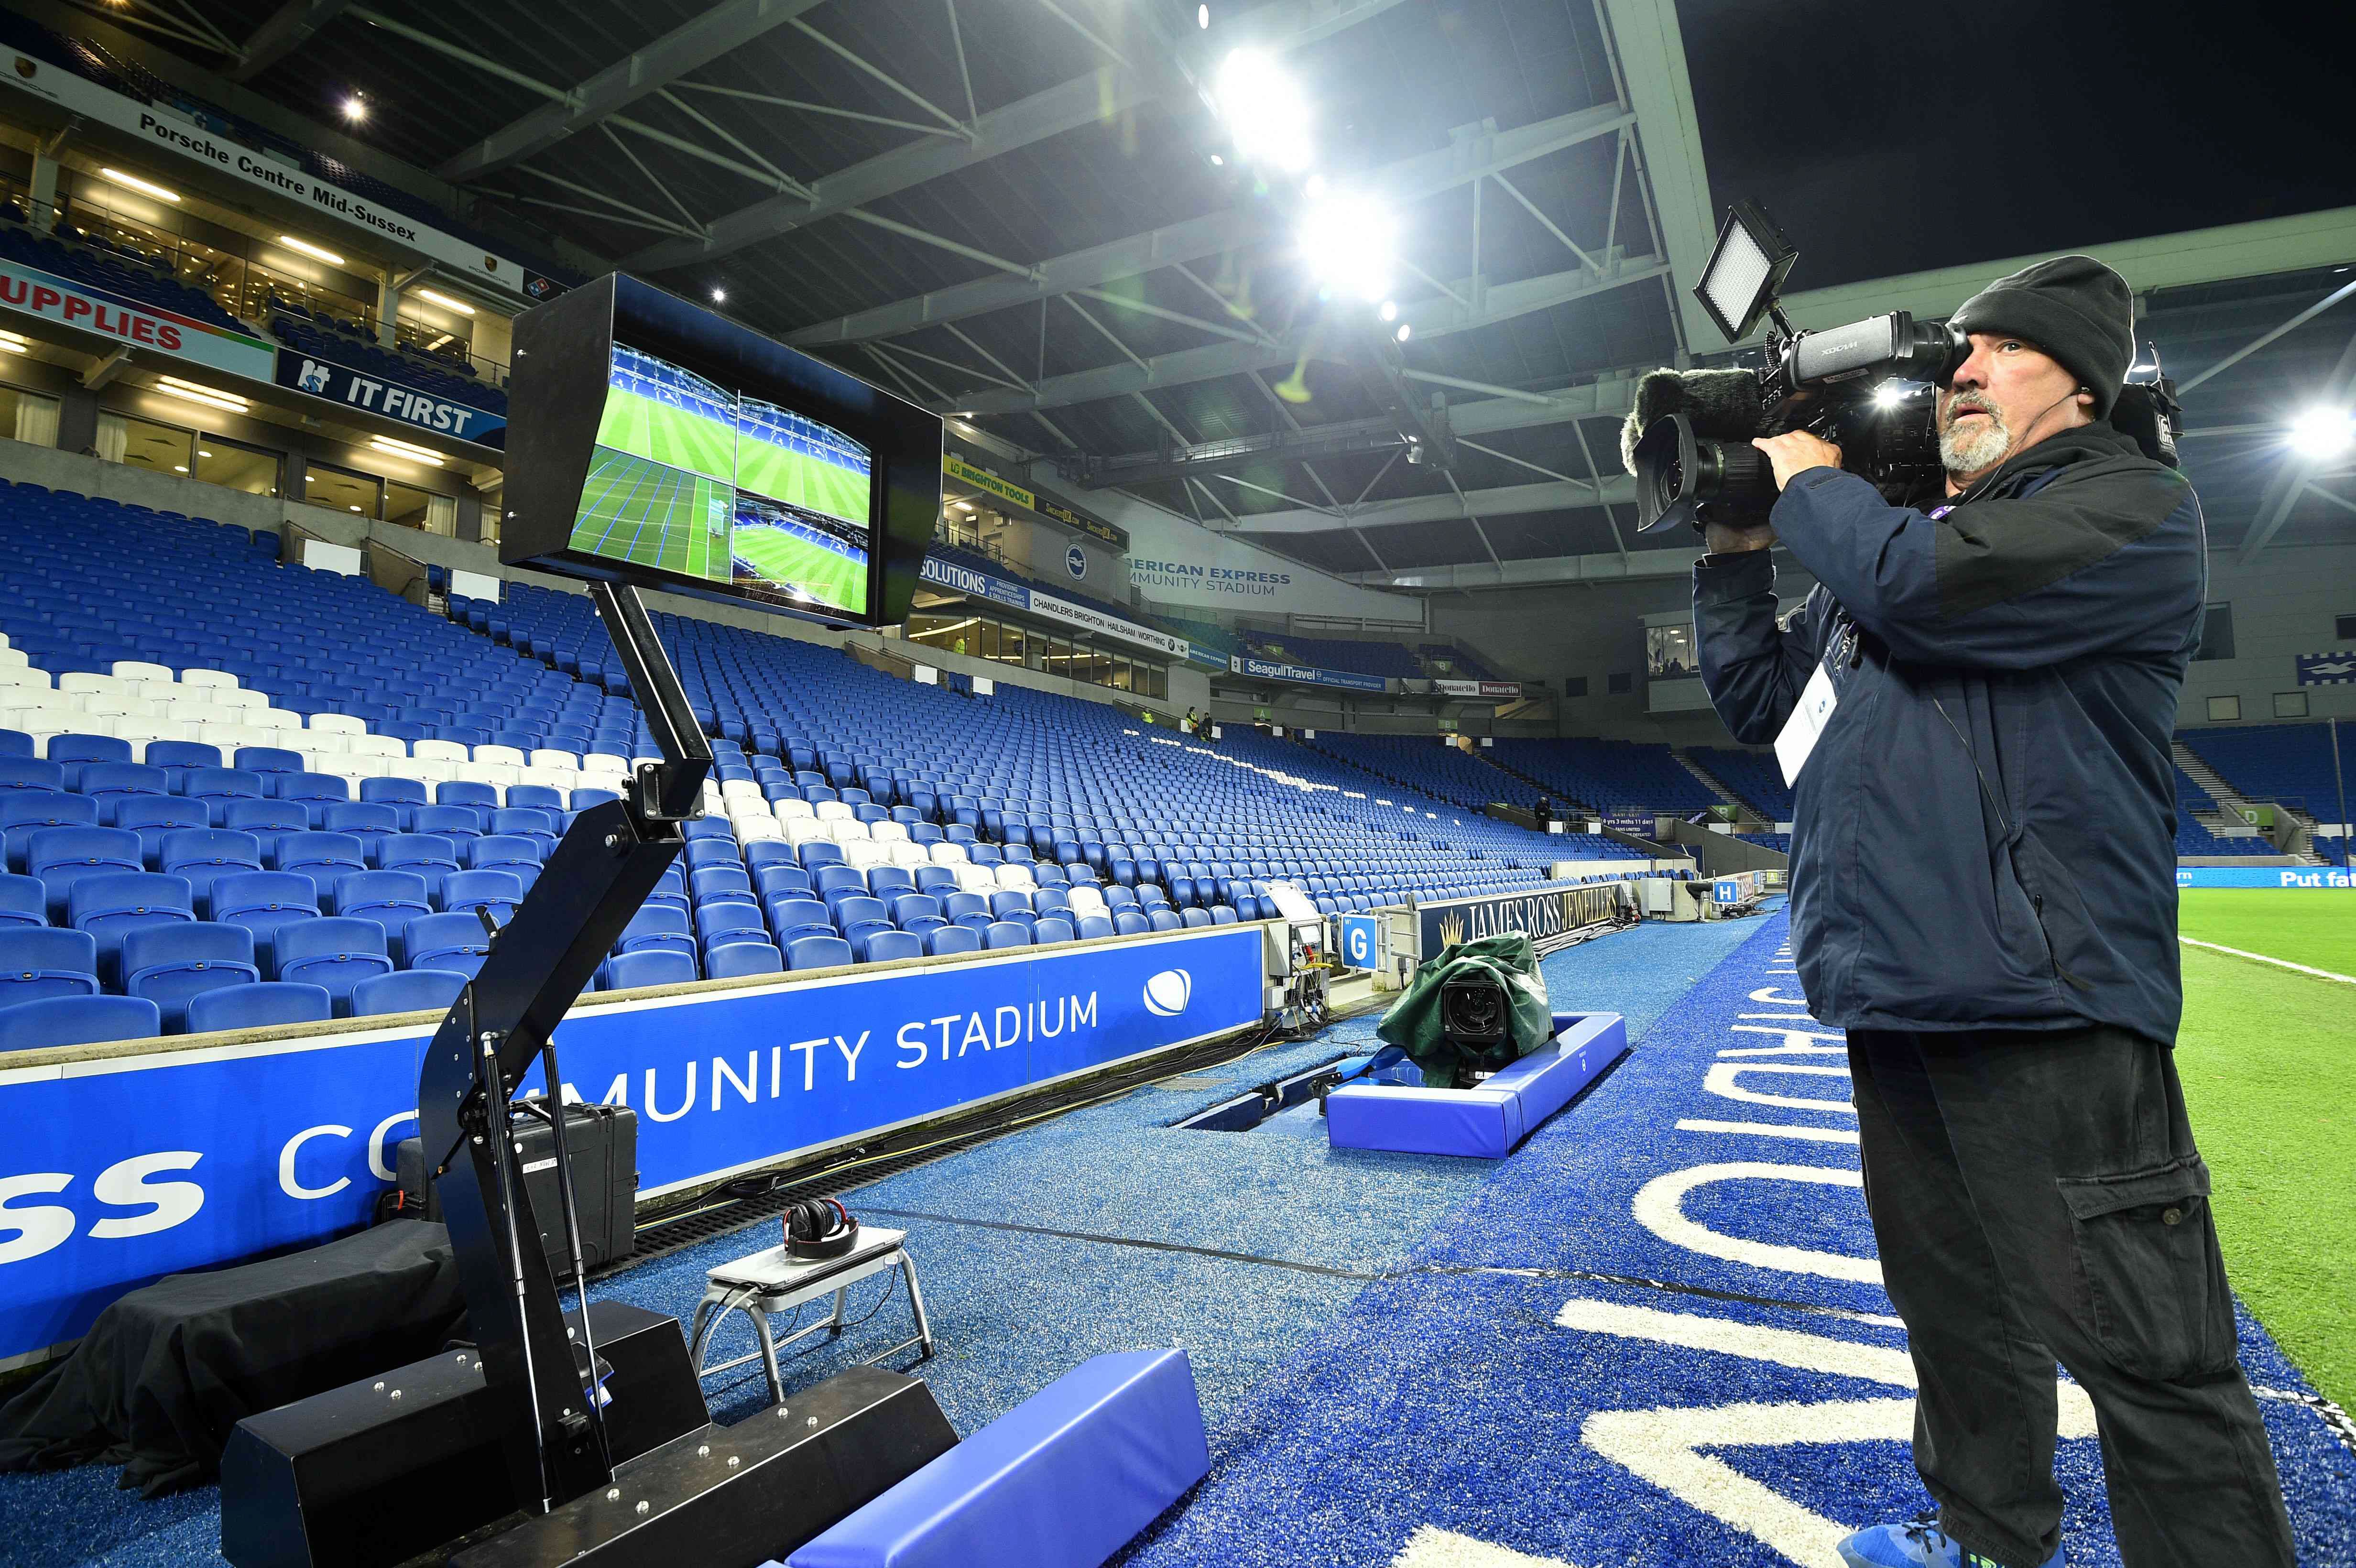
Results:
<point x="1984" y="835"/>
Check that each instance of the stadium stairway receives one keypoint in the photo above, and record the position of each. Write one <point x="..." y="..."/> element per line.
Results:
<point x="1717" y="785"/>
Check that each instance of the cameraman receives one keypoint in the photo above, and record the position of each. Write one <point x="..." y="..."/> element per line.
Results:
<point x="1983" y="896"/>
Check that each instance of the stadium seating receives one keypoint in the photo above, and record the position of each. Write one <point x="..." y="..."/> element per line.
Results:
<point x="345" y="778"/>
<point x="1756" y="777"/>
<point x="2290" y="763"/>
<point x="1423" y="764"/>
<point x="1608" y="775"/>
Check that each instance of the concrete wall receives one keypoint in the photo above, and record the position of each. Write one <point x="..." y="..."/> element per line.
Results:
<point x="2284" y="603"/>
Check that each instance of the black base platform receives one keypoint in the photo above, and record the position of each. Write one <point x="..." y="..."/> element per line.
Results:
<point x="375" y="1472"/>
<point x="735" y="1497"/>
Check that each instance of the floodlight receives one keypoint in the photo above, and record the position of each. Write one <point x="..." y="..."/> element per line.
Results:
<point x="1389" y="311"/>
<point x="2322" y="433"/>
<point x="1404" y="332"/>
<point x="719" y="295"/>
<point x="1202" y="16"/>
<point x="1349" y="242"/>
<point x="1745" y="268"/>
<point x="1265" y="110"/>
<point x="354" y="108"/>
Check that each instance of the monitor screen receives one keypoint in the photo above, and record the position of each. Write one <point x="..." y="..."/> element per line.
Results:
<point x="713" y="461"/>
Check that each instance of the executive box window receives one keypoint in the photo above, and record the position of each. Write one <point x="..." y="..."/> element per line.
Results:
<point x="979" y="636"/>
<point x="2225" y="709"/>
<point x="144" y="444"/>
<point x="1574" y="685"/>
<point x="2290" y="705"/>
<point x="1619" y="683"/>
<point x="1669" y="652"/>
<point x="343" y="489"/>
<point x="2216" y="633"/>
<point x="2343" y="627"/>
<point x="234" y="465"/>
<point x="414" y="508"/>
<point x="28" y="416"/>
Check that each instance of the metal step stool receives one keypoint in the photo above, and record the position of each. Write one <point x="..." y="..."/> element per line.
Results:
<point x="775" y="1281"/>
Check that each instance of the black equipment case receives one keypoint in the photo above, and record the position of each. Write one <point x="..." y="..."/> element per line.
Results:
<point x="603" y="1143"/>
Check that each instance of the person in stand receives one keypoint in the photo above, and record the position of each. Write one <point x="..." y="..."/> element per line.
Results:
<point x="1544" y="812"/>
<point x="1983" y="896"/>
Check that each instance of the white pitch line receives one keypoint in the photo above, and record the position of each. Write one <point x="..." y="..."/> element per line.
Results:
<point x="2262" y="958"/>
<point x="1773" y="1130"/>
<point x="1433" y="1547"/>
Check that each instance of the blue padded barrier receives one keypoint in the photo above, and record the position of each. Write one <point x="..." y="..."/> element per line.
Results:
<point x="1063" y="1481"/>
<point x="1488" y="1122"/>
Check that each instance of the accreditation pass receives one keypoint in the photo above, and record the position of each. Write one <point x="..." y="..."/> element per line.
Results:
<point x="1802" y="730"/>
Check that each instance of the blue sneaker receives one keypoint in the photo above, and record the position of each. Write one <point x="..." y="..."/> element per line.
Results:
<point x="1921" y="1545"/>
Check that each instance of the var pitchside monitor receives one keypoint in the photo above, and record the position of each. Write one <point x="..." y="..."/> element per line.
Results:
<point x="655" y="443"/>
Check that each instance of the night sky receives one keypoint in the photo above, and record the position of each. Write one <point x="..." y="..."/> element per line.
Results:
<point x="1894" y="137"/>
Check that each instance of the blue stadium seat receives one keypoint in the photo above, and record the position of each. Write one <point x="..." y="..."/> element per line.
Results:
<point x="24" y="813"/>
<point x="881" y="944"/>
<point x="258" y="1007"/>
<point x="392" y="898"/>
<point x="1162" y="918"/>
<point x="817" y="953"/>
<point x="793" y="917"/>
<point x="367" y="821"/>
<point x="648" y="966"/>
<point x="109" y="784"/>
<point x="1222" y="915"/>
<point x="262" y="901"/>
<point x="719" y="882"/>
<point x="61" y="856"/>
<point x="337" y="954"/>
<point x="202" y="856"/>
<point x="77" y="1021"/>
<point x="267" y="820"/>
<point x="498" y="891"/>
<point x="505" y="852"/>
<point x="1052" y="928"/>
<point x="1129" y="922"/>
<point x="733" y="960"/>
<point x="726" y="919"/>
<point x="326" y="857"/>
<point x="950" y="939"/>
<point x="1194" y="915"/>
<point x="456" y="942"/>
<point x="170" y="964"/>
<point x="408" y="991"/>
<point x="23" y="901"/>
<point x="154" y="818"/>
<point x="112" y="904"/>
<point x="1005" y="934"/>
<point x="776" y="881"/>
<point x="40" y="962"/>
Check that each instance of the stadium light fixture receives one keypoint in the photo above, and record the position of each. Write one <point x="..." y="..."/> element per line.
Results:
<point x="356" y="107"/>
<point x="2322" y="433"/>
<point x="144" y="187"/>
<point x="719" y="295"/>
<point x="1349" y="242"/>
<point x="1403" y="333"/>
<point x="316" y="253"/>
<point x="15" y="343"/>
<point x="1389" y="311"/>
<point x="1264" y="110"/>
<point x="1202" y="17"/>
<point x="390" y="447"/>
<point x="444" y="301"/>
<point x="189" y="391"/>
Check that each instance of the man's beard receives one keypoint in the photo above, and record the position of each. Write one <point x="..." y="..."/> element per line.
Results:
<point x="1969" y="449"/>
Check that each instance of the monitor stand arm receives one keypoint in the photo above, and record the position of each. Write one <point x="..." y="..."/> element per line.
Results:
<point x="592" y="885"/>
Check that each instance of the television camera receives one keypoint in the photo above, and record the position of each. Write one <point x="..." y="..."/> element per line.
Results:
<point x="1869" y="387"/>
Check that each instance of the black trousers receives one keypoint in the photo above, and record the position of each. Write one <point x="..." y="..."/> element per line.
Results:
<point x="2037" y="1197"/>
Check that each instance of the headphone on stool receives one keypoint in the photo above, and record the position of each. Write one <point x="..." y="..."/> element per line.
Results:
<point x="818" y="1228"/>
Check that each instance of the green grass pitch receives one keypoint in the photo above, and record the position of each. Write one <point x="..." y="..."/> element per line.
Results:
<point x="780" y="557"/>
<point x="643" y="512"/>
<point x="2268" y="1060"/>
<point x="650" y="429"/>
<point x="802" y="480"/>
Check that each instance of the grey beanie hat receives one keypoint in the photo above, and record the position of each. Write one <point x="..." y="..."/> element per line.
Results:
<point x="2074" y="308"/>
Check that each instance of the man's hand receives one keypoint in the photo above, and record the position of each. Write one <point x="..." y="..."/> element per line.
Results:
<point x="1796" y="451"/>
<point x="1722" y="539"/>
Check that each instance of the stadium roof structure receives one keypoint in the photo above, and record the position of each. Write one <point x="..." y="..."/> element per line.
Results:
<point x="1027" y="214"/>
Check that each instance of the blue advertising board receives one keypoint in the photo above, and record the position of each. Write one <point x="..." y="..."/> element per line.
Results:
<point x="2326" y="669"/>
<point x="119" y="1171"/>
<point x="1306" y="675"/>
<point x="341" y="384"/>
<point x="1359" y="943"/>
<point x="973" y="584"/>
<point x="1542" y="913"/>
<point x="2263" y="877"/>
